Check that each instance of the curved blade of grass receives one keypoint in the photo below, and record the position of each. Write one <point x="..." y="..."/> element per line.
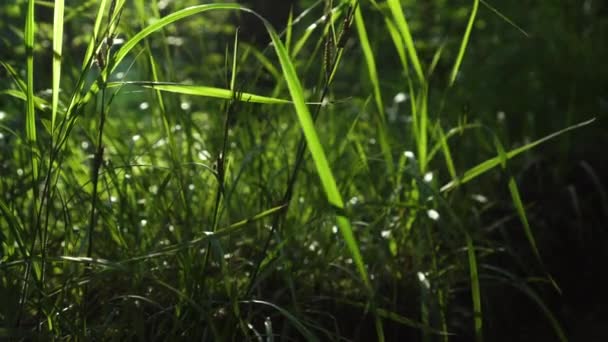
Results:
<point x="185" y="89"/>
<point x="316" y="150"/>
<point x="447" y="155"/>
<point x="475" y="291"/>
<point x="489" y="164"/>
<point x="320" y="160"/>
<point x="39" y="102"/>
<point x="164" y="21"/>
<point x="464" y="43"/>
<point x="206" y="236"/>
<point x="57" y="51"/>
<point x="505" y="18"/>
<point x="402" y="25"/>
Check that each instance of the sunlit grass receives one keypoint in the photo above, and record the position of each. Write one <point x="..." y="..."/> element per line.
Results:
<point x="231" y="192"/>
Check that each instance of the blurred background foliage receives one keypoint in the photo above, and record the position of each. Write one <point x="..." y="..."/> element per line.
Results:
<point x="522" y="83"/>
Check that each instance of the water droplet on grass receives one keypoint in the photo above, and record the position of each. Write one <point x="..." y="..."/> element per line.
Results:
<point x="433" y="214"/>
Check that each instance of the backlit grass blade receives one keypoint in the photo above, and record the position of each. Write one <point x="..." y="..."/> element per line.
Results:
<point x="30" y="116"/>
<point x="489" y="164"/>
<point x="314" y="145"/>
<point x="516" y="198"/>
<point x="164" y="21"/>
<point x="447" y="155"/>
<point x="234" y="64"/>
<point x="475" y="290"/>
<point x="464" y="43"/>
<point x="39" y="102"/>
<point x="219" y="93"/>
<point x="372" y="71"/>
<point x="57" y="55"/>
<point x="95" y="34"/>
<point x="422" y="116"/>
<point x="320" y="160"/>
<point x="402" y="25"/>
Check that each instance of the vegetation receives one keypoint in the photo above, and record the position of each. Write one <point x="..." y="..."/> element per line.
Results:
<point x="344" y="170"/>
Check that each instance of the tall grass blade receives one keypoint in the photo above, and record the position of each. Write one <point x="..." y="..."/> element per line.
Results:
<point x="30" y="118"/>
<point x="57" y="56"/>
<point x="185" y="89"/>
<point x="464" y="43"/>
<point x="164" y="21"/>
<point x="516" y="198"/>
<point x="372" y="71"/>
<point x="489" y="164"/>
<point x="320" y="160"/>
<point x="95" y="34"/>
<point x="475" y="290"/>
<point x="402" y="25"/>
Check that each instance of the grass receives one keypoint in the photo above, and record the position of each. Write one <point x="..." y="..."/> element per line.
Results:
<point x="224" y="190"/>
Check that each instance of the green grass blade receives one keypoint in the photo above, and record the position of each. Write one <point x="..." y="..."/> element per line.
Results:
<point x="266" y="63"/>
<point x="234" y="60"/>
<point x="39" y="102"/>
<point x="372" y="71"/>
<point x="30" y="118"/>
<point x="57" y="55"/>
<point x="370" y="61"/>
<point x="489" y="164"/>
<point x="475" y="290"/>
<point x="204" y="91"/>
<point x="320" y="160"/>
<point x="398" y="42"/>
<point x="516" y="198"/>
<point x="422" y="136"/>
<point x="95" y="35"/>
<point x="402" y="25"/>
<point x="316" y="150"/>
<point x="164" y="21"/>
<point x="505" y="18"/>
<point x="206" y="236"/>
<point x="464" y="43"/>
<point x="447" y="155"/>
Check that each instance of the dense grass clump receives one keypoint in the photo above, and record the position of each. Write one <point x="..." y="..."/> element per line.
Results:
<point x="167" y="173"/>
